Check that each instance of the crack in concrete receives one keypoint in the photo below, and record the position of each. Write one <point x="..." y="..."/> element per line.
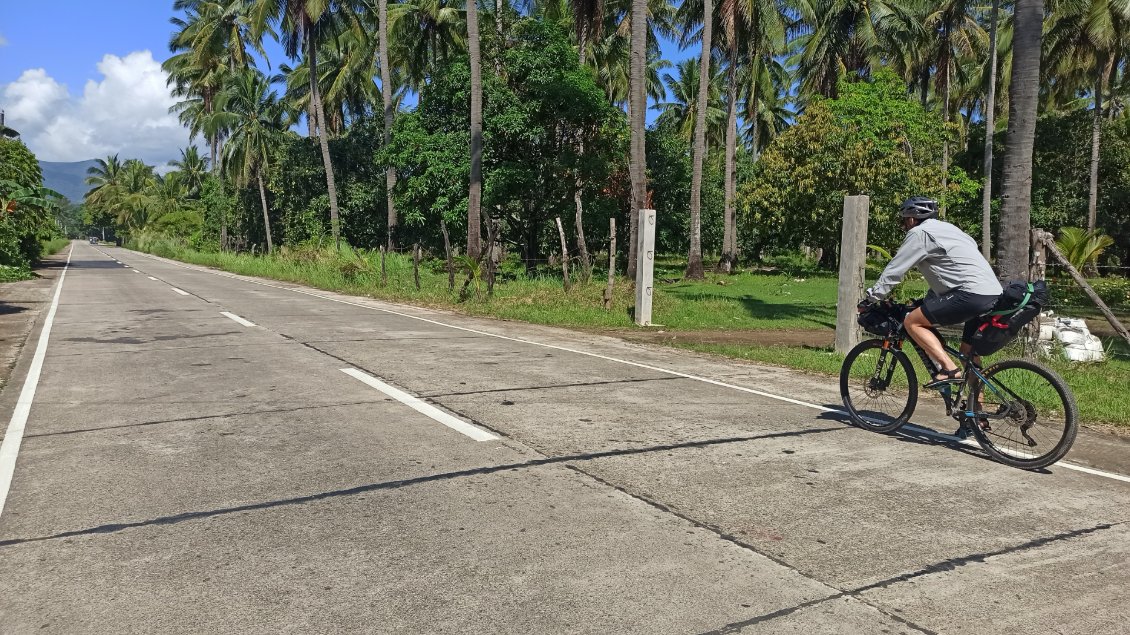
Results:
<point x="199" y="418"/>
<point x="397" y="484"/>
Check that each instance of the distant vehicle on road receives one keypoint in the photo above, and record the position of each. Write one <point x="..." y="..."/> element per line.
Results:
<point x="93" y="241"/>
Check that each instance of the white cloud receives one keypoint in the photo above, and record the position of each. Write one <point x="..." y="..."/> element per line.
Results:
<point x="126" y="112"/>
<point x="3" y="40"/>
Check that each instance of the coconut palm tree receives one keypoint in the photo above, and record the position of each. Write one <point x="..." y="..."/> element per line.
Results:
<point x="694" y="254"/>
<point x="989" y="113"/>
<point x="303" y="23"/>
<point x="104" y="174"/>
<point x="752" y="33"/>
<point x="192" y="167"/>
<point x="637" y="107"/>
<point x="421" y="34"/>
<point x="257" y="119"/>
<point x="1090" y="37"/>
<point x="474" y="196"/>
<point x="682" y="108"/>
<point x="209" y="43"/>
<point x="1024" y="89"/>
<point x="385" y="65"/>
<point x="834" y="38"/>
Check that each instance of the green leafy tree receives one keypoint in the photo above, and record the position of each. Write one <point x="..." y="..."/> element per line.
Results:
<point x="870" y="140"/>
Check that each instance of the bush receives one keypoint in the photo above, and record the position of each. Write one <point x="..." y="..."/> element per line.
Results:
<point x="792" y="263"/>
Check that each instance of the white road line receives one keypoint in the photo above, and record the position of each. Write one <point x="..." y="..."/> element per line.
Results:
<point x="15" y="434"/>
<point x="136" y="271"/>
<point x="424" y="408"/>
<point x="151" y="278"/>
<point x="180" y="291"/>
<point x="235" y="317"/>
<point x="805" y="404"/>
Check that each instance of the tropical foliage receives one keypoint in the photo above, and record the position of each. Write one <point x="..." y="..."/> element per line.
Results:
<point x="390" y="116"/>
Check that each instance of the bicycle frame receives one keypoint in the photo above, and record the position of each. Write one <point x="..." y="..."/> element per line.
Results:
<point x="970" y="370"/>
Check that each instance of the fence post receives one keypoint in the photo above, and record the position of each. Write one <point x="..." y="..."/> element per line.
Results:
<point x="1039" y="268"/>
<point x="645" y="266"/>
<point x="853" y="269"/>
<point x="611" y="263"/>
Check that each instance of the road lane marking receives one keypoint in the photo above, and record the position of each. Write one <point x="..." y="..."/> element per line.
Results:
<point x="179" y="291"/>
<point x="235" y="317"/>
<point x="151" y="278"/>
<point x="926" y="431"/>
<point x="422" y="407"/>
<point x="15" y="434"/>
<point x="136" y="271"/>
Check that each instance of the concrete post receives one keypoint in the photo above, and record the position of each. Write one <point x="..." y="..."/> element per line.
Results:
<point x="645" y="266"/>
<point x="853" y="264"/>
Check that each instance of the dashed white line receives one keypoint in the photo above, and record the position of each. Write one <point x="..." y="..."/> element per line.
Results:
<point x="805" y="404"/>
<point x="15" y="434"/>
<point x="151" y="278"/>
<point x="422" y="407"/>
<point x="136" y="271"/>
<point x="236" y="318"/>
<point x="180" y="291"/>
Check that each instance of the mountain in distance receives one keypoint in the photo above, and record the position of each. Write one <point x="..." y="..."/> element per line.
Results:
<point x="66" y="178"/>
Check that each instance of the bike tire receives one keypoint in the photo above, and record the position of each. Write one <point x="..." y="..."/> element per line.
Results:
<point x="991" y="441"/>
<point x="849" y="381"/>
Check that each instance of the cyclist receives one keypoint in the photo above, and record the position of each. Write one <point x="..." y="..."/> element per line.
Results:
<point x="962" y="284"/>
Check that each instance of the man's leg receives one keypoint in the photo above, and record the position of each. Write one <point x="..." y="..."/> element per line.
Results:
<point x="919" y="328"/>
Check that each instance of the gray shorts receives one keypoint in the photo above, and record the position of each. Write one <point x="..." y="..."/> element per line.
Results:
<point x="957" y="306"/>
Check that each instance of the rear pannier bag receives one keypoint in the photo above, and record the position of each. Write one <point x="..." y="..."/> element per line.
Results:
<point x="1020" y="303"/>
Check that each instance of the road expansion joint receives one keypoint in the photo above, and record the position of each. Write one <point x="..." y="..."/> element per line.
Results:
<point x="735" y="627"/>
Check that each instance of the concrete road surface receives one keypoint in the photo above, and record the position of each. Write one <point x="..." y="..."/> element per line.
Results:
<point x="207" y="453"/>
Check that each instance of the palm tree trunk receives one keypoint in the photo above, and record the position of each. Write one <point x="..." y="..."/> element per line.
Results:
<point x="331" y="187"/>
<point x="386" y="97"/>
<point x="266" y="216"/>
<point x="637" y="110"/>
<point x="945" y="140"/>
<point x="1024" y="90"/>
<point x="694" y="255"/>
<point x="990" y="114"/>
<point x="1096" y="136"/>
<point x="474" y="240"/>
<point x="725" y="264"/>
<point x="945" y="123"/>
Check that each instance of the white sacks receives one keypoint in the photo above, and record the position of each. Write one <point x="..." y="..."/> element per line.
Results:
<point x="1078" y="343"/>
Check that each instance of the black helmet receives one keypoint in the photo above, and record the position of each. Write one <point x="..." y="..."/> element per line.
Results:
<point x="919" y="207"/>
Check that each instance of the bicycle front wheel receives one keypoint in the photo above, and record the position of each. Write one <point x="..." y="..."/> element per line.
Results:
<point x="1028" y="417"/>
<point x="878" y="386"/>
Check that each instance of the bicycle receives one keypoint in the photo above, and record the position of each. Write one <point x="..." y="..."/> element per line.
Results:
<point x="1020" y="412"/>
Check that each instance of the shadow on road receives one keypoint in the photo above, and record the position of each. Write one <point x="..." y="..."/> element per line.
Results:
<point x="390" y="485"/>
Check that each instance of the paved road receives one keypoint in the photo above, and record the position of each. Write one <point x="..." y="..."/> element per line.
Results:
<point x="182" y="472"/>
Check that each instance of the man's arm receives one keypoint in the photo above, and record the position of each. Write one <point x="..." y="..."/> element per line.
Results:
<point x="910" y="253"/>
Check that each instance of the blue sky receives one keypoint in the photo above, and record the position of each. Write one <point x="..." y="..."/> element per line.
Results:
<point x="81" y="79"/>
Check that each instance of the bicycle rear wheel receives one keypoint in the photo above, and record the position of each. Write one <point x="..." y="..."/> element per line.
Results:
<point x="878" y="386"/>
<point x="1035" y="419"/>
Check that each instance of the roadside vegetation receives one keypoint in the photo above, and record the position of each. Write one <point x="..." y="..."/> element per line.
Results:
<point x="748" y="310"/>
<point x="509" y="135"/>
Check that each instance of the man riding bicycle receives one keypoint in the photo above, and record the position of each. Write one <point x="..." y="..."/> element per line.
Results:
<point x="962" y="284"/>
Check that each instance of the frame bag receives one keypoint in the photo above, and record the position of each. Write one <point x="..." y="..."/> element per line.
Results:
<point x="1020" y="303"/>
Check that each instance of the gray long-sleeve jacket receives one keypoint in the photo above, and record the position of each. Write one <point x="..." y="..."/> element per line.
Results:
<point x="947" y="257"/>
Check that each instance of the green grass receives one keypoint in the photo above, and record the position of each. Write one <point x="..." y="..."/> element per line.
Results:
<point x="55" y="245"/>
<point x="746" y="301"/>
